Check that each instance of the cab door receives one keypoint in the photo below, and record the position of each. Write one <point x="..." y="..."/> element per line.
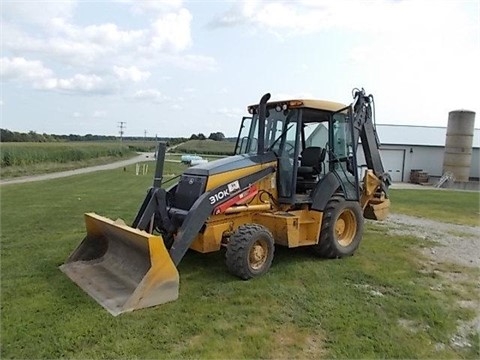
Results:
<point x="242" y="144"/>
<point x="286" y="147"/>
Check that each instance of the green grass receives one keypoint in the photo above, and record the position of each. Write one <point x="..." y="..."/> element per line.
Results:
<point x="206" y="147"/>
<point x="458" y="207"/>
<point x="302" y="308"/>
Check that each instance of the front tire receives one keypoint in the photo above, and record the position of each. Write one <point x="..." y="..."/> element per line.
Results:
<point x="342" y="229"/>
<point x="250" y="251"/>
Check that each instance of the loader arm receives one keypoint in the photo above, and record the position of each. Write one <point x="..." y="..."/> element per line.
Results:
<point x="201" y="211"/>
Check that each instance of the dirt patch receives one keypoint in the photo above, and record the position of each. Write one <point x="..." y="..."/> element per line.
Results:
<point x="289" y="340"/>
<point x="412" y="326"/>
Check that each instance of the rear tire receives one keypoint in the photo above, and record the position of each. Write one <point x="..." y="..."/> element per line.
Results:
<point x="342" y="229"/>
<point x="250" y="251"/>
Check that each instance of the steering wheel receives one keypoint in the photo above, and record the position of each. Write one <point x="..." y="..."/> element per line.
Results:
<point x="290" y="149"/>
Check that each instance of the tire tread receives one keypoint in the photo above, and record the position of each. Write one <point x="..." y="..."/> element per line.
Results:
<point x="237" y="249"/>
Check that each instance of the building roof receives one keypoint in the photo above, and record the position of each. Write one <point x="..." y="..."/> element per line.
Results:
<point x="417" y="135"/>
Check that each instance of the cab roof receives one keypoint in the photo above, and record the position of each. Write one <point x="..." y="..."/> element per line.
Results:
<point x="324" y="105"/>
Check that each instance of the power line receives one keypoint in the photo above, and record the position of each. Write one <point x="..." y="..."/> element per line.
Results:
<point x="122" y="125"/>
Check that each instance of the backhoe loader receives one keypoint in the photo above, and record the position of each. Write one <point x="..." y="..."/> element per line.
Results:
<point x="292" y="181"/>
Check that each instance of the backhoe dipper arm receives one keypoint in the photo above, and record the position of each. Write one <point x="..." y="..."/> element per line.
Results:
<point x="364" y="129"/>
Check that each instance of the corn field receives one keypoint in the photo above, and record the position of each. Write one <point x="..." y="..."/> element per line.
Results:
<point x="206" y="147"/>
<point x="21" y="154"/>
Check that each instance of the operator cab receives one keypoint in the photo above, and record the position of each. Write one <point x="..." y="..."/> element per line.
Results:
<point x="310" y="139"/>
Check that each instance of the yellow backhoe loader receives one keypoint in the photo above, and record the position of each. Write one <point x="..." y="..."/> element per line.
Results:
<point x="293" y="181"/>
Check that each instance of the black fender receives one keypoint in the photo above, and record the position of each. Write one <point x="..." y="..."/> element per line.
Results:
<point x="323" y="192"/>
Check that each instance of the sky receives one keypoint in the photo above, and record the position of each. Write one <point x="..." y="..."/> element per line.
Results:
<point x="174" y="68"/>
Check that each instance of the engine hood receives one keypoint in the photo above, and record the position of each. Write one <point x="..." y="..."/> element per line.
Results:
<point x="230" y="163"/>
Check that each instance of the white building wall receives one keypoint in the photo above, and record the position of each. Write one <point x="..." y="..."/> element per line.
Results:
<point x="425" y="158"/>
<point x="416" y="157"/>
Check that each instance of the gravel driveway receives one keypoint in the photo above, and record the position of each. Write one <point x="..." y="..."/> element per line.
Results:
<point x="459" y="244"/>
<point x="453" y="244"/>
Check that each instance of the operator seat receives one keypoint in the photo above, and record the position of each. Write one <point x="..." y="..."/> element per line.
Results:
<point x="310" y="167"/>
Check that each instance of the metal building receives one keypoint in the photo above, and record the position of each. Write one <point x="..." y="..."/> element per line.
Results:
<point x="405" y="148"/>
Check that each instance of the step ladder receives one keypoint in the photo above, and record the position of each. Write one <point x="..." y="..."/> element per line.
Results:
<point x="447" y="177"/>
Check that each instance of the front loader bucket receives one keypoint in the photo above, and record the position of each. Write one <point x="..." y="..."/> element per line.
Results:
<point x="122" y="268"/>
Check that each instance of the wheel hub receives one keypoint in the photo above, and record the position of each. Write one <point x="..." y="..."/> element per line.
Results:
<point x="258" y="254"/>
<point x="345" y="227"/>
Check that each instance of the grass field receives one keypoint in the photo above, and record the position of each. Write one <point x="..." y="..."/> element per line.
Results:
<point x="303" y="308"/>
<point x="20" y="159"/>
<point x="458" y="207"/>
<point x="206" y="147"/>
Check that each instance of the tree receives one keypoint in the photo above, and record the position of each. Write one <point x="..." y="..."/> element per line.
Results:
<point x="201" y="136"/>
<point x="217" y="136"/>
<point x="194" y="137"/>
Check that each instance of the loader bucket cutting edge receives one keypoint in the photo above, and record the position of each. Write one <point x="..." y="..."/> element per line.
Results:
<point x="122" y="268"/>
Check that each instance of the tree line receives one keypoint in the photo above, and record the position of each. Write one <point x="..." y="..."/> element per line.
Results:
<point x="32" y="136"/>
<point x="216" y="136"/>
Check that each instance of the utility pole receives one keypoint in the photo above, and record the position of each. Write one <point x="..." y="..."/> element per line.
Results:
<point x="122" y="126"/>
<point x="145" y="135"/>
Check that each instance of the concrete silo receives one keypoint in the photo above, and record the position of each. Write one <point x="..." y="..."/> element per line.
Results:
<point x="458" y="144"/>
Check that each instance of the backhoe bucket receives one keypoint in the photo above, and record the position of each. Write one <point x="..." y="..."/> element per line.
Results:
<point x="377" y="209"/>
<point x="122" y="268"/>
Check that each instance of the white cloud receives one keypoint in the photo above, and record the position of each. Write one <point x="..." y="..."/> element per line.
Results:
<point x="77" y="114"/>
<point x="99" y="114"/>
<point x="309" y="16"/>
<point x="40" y="77"/>
<point x="233" y="113"/>
<point x="37" y="12"/>
<point x="98" y="47"/>
<point x="151" y="95"/>
<point x="273" y="16"/>
<point x="79" y="83"/>
<point x="19" y="68"/>
<point x="426" y="51"/>
<point x="131" y="73"/>
<point x="148" y="6"/>
<point x="67" y="43"/>
<point x="191" y="62"/>
<point x="171" y="32"/>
